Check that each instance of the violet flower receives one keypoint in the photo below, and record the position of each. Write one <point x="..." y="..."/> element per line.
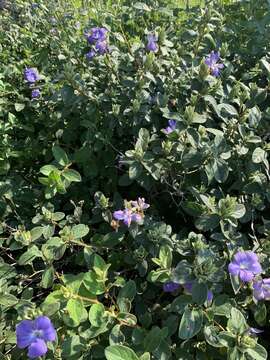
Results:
<point x="212" y="62"/>
<point x="34" y="334"/>
<point x="170" y="286"/>
<point x="171" y="127"/>
<point x="140" y="204"/>
<point x="152" y="43"/>
<point x="97" y="34"/>
<point x="245" y="264"/>
<point x="31" y="75"/>
<point x="91" y="54"/>
<point x="261" y="289"/>
<point x="35" y="94"/>
<point x="127" y="216"/>
<point x="254" y="331"/>
<point x="101" y="47"/>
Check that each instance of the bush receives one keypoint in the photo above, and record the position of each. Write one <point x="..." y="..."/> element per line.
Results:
<point x="134" y="180"/>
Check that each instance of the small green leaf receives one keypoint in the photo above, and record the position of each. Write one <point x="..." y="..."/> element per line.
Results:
<point x="128" y="291"/>
<point x="259" y="155"/>
<point x="237" y="323"/>
<point x="72" y="175"/>
<point x="29" y="256"/>
<point x="199" y="293"/>
<point x="60" y="155"/>
<point x="153" y="339"/>
<point x="97" y="315"/>
<point x="47" y="277"/>
<point x="191" y="323"/>
<point x="76" y="310"/>
<point x="120" y="352"/>
<point x="47" y="169"/>
<point x="80" y="230"/>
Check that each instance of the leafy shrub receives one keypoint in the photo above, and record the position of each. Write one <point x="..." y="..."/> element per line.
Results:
<point x="155" y="106"/>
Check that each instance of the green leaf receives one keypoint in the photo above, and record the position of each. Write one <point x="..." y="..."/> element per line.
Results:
<point x="97" y="315"/>
<point x="259" y="155"/>
<point x="221" y="170"/>
<point x="79" y="231"/>
<point x="116" y="335"/>
<point x="207" y="222"/>
<point x="237" y="323"/>
<point x="191" y="323"/>
<point x="93" y="285"/>
<point x="60" y="155"/>
<point x="222" y="306"/>
<point x="211" y="334"/>
<point x="47" y="169"/>
<point x="19" y="107"/>
<point x="153" y="339"/>
<point x="128" y="291"/>
<point x="72" y="175"/>
<point x="29" y="256"/>
<point x="260" y="313"/>
<point x="179" y="304"/>
<point x="135" y="170"/>
<point x="257" y="353"/>
<point x="8" y="300"/>
<point x="76" y="310"/>
<point x="165" y="256"/>
<point x="120" y="352"/>
<point x="47" y="277"/>
<point x="199" y="293"/>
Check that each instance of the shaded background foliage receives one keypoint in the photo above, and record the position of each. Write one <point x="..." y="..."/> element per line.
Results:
<point x="95" y="138"/>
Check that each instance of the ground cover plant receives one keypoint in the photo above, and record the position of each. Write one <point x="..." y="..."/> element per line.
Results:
<point x="134" y="180"/>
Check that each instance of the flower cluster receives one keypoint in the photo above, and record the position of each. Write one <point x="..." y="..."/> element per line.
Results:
<point x="152" y="45"/>
<point x="98" y="39"/>
<point x="212" y="62"/>
<point x="31" y="75"/>
<point x="34" y="335"/>
<point x="246" y="265"/>
<point x="133" y="212"/>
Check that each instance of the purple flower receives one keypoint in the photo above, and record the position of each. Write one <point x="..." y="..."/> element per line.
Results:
<point x="140" y="204"/>
<point x="127" y="216"/>
<point x="101" y="47"/>
<point x="245" y="264"/>
<point x="31" y="75"/>
<point x="171" y="127"/>
<point x="91" y="54"/>
<point x="35" y="94"/>
<point x="96" y="34"/>
<point x="212" y="62"/>
<point x="152" y="43"/>
<point x="34" y="334"/>
<point x="170" y="286"/>
<point x="261" y="289"/>
<point x="253" y="331"/>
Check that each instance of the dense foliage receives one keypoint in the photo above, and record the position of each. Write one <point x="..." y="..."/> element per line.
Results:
<point x="134" y="192"/>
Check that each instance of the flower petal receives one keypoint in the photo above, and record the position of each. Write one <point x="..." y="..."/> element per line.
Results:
<point x="37" y="348"/>
<point x="24" y="333"/>
<point x="44" y="323"/>
<point x="119" y="215"/>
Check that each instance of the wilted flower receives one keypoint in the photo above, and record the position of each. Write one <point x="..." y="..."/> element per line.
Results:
<point x="212" y="62"/>
<point x="31" y="75"/>
<point x="171" y="127"/>
<point x="127" y="216"/>
<point x="97" y="34"/>
<point x="35" y="94"/>
<point x="261" y="289"/>
<point x="245" y="264"/>
<point x="140" y="204"/>
<point x="152" y="43"/>
<point x="91" y="54"/>
<point x="34" y="334"/>
<point x="170" y="286"/>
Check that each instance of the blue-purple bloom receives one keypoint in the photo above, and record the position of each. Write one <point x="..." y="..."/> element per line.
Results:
<point x="212" y="62"/>
<point x="140" y="204"/>
<point x="127" y="216"/>
<point x="91" y="54"/>
<point x="171" y="127"/>
<point x="97" y="34"/>
<point x="34" y="334"/>
<point x="254" y="331"/>
<point x="31" y="75"/>
<point x="170" y="286"/>
<point x="35" y="94"/>
<point x="101" y="47"/>
<point x="152" y="43"/>
<point x="245" y="264"/>
<point x="261" y="289"/>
